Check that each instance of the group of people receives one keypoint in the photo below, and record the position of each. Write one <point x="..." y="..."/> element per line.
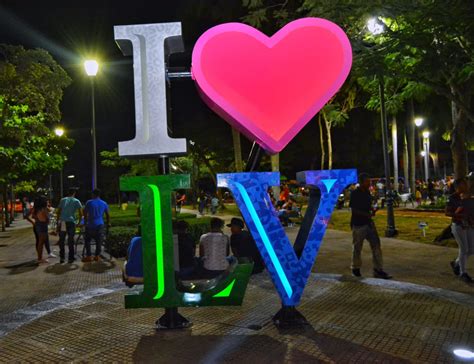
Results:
<point x="70" y="214"/>
<point x="209" y="202"/>
<point x="216" y="251"/>
<point x="460" y="208"/>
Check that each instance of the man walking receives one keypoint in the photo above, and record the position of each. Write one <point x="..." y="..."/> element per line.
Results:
<point x="94" y="212"/>
<point x="67" y="209"/>
<point x="363" y="228"/>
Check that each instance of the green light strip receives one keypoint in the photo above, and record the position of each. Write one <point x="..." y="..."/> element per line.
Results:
<point x="160" y="266"/>
<point x="226" y="291"/>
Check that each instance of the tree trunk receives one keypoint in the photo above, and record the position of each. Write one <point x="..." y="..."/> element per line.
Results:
<point x="329" y="141"/>
<point x="321" y="140"/>
<point x="405" y="161"/>
<point x="411" y="145"/>
<point x="2" y="213"/>
<point x="237" y="150"/>
<point x="395" y="152"/>
<point x="275" y="160"/>
<point x="5" y="206"/>
<point x="458" y="141"/>
<point x="13" y="204"/>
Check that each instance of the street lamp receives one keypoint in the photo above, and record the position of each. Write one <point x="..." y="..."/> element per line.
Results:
<point x="92" y="67"/>
<point x="418" y="122"/>
<point x="377" y="28"/>
<point x="426" y="143"/>
<point x="59" y="131"/>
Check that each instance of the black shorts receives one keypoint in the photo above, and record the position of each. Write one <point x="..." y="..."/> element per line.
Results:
<point x="41" y="227"/>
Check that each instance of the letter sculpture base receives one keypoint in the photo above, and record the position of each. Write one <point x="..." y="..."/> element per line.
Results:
<point x="289" y="318"/>
<point x="172" y="320"/>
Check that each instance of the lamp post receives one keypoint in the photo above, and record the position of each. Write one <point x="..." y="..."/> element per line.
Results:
<point x="92" y="67"/>
<point x="59" y="131"/>
<point x="426" y="143"/>
<point x="418" y="123"/>
<point x="376" y="28"/>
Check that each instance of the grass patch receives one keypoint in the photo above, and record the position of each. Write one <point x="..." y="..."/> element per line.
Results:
<point x="406" y="223"/>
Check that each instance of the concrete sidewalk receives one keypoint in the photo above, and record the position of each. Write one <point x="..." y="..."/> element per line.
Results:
<point x="75" y="312"/>
<point x="351" y="321"/>
<point x="24" y="283"/>
<point x="407" y="261"/>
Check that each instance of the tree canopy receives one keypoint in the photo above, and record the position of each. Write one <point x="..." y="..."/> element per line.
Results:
<point x="31" y="89"/>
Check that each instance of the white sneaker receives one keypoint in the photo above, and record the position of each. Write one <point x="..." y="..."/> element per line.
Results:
<point x="52" y="255"/>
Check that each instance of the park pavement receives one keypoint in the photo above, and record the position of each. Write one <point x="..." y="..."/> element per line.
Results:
<point x="62" y="313"/>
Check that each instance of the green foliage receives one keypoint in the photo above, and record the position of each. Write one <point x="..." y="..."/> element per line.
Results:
<point x="125" y="228"/>
<point x="119" y="238"/>
<point x="31" y="88"/>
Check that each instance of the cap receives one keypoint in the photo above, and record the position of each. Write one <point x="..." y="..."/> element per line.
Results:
<point x="237" y="222"/>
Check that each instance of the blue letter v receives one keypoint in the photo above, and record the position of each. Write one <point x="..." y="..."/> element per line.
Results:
<point x="289" y="273"/>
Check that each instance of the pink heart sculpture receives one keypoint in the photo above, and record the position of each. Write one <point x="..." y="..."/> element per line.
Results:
<point x="270" y="87"/>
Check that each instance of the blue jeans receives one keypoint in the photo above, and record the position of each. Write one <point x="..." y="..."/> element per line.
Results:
<point x="70" y="231"/>
<point x="97" y="233"/>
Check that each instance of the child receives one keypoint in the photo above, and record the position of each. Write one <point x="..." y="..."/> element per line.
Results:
<point x="187" y="250"/>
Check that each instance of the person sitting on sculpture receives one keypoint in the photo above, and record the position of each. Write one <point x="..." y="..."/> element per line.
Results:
<point x="214" y="250"/>
<point x="243" y="246"/>
<point x="187" y="251"/>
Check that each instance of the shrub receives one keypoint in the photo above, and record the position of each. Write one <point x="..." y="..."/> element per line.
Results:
<point x="197" y="227"/>
<point x="118" y="239"/>
<point x="120" y="235"/>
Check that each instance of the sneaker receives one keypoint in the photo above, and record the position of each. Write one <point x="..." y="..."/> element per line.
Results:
<point x="465" y="278"/>
<point x="356" y="273"/>
<point x="97" y="258"/>
<point x="379" y="273"/>
<point x="455" y="267"/>
<point x="70" y="261"/>
<point x="51" y="255"/>
<point x="61" y="261"/>
<point x="87" y="259"/>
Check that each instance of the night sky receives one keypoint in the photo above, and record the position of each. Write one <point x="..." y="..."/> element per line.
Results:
<point x="75" y="30"/>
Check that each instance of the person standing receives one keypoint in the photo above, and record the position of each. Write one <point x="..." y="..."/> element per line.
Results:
<point x="94" y="212"/>
<point x="39" y="217"/>
<point x="363" y="228"/>
<point x="460" y="227"/>
<point x="68" y="208"/>
<point x="243" y="246"/>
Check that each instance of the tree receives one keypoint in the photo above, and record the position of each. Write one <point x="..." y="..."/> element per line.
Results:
<point x="425" y="42"/>
<point x="31" y="88"/>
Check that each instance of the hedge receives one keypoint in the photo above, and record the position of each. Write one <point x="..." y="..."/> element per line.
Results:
<point x="119" y="237"/>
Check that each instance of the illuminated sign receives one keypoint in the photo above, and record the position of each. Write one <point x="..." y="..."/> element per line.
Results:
<point x="161" y="288"/>
<point x="266" y="87"/>
<point x="289" y="272"/>
<point x="270" y="87"/>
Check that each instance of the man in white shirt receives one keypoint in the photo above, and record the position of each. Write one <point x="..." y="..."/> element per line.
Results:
<point x="214" y="249"/>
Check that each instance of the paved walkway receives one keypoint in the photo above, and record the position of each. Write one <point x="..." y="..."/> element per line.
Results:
<point x="75" y="312"/>
<point x="407" y="261"/>
<point x="24" y="283"/>
<point x="351" y="321"/>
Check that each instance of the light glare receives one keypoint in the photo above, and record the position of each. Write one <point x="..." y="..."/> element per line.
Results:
<point x="463" y="353"/>
<point x="419" y="122"/>
<point x="59" y="131"/>
<point x="423" y="153"/>
<point x="92" y="67"/>
<point x="426" y="134"/>
<point x="374" y="26"/>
